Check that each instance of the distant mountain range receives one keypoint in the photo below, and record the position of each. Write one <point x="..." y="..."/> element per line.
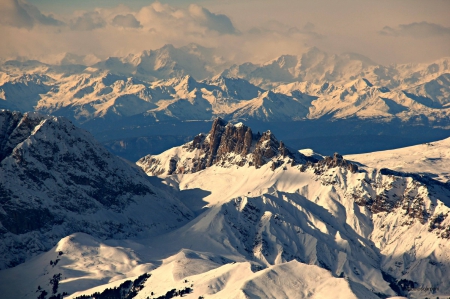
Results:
<point x="164" y="85"/>
<point x="170" y="94"/>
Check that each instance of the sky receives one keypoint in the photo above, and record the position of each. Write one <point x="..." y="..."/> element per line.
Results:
<point x="386" y="31"/>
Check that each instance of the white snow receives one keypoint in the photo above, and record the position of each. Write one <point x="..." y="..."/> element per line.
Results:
<point x="161" y="84"/>
<point x="432" y="159"/>
<point x="248" y="232"/>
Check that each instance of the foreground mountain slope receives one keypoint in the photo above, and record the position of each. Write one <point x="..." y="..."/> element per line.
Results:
<point x="382" y="229"/>
<point x="237" y="280"/>
<point x="56" y="179"/>
<point x="80" y="262"/>
<point x="261" y="212"/>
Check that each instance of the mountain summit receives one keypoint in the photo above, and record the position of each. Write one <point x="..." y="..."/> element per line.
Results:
<point x="226" y="144"/>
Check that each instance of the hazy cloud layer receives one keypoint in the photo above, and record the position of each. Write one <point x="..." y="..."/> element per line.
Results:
<point x="217" y="22"/>
<point x="417" y="30"/>
<point x="195" y="20"/>
<point x="88" y="21"/>
<point x="126" y="21"/>
<point x="20" y="14"/>
<point x="277" y="27"/>
<point x="251" y="30"/>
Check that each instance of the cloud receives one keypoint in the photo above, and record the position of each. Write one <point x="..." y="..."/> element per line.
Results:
<point x="275" y="27"/>
<point x="88" y="21"/>
<point x="194" y="20"/>
<point x="417" y="30"/>
<point x="126" y="21"/>
<point x="217" y="22"/>
<point x="20" y="14"/>
<point x="277" y="30"/>
<point x="99" y="32"/>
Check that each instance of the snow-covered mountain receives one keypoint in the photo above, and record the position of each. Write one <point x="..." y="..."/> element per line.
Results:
<point x="313" y="66"/>
<point x="166" y="62"/>
<point x="385" y="230"/>
<point x="55" y="180"/>
<point x="100" y="95"/>
<point x="116" y="102"/>
<point x="363" y="100"/>
<point x="428" y="159"/>
<point x="318" y="67"/>
<point x="23" y="93"/>
<point x="234" y="215"/>
<point x="164" y="85"/>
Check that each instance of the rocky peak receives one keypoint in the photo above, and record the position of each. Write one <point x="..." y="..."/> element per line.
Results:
<point x="225" y="139"/>
<point x="226" y="144"/>
<point x="236" y="139"/>
<point x="267" y="147"/>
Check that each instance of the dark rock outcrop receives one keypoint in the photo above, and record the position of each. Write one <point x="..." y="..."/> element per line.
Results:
<point x="331" y="162"/>
<point x="14" y="128"/>
<point x="226" y="144"/>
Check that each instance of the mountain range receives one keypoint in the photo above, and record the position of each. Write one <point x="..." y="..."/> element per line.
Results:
<point x="230" y="214"/>
<point x="151" y="101"/>
<point x="238" y="191"/>
<point x="164" y="84"/>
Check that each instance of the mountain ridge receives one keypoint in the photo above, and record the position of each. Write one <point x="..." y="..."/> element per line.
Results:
<point x="226" y="145"/>
<point x="365" y="91"/>
<point x="286" y="212"/>
<point x="56" y="179"/>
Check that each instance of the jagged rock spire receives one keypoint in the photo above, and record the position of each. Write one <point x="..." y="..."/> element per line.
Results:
<point x="226" y="144"/>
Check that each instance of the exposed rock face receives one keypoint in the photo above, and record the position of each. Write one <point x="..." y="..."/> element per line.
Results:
<point x="226" y="144"/>
<point x="236" y="139"/>
<point x="331" y="162"/>
<point x="55" y="179"/>
<point x="14" y="128"/>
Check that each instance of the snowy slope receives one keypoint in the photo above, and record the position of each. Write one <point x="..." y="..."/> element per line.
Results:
<point x="289" y="280"/>
<point x="430" y="159"/>
<point x="364" y="100"/>
<point x="56" y="179"/>
<point x="82" y="261"/>
<point x="373" y="226"/>
<point x="324" y="227"/>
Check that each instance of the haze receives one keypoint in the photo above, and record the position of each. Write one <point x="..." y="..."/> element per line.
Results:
<point x="256" y="30"/>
